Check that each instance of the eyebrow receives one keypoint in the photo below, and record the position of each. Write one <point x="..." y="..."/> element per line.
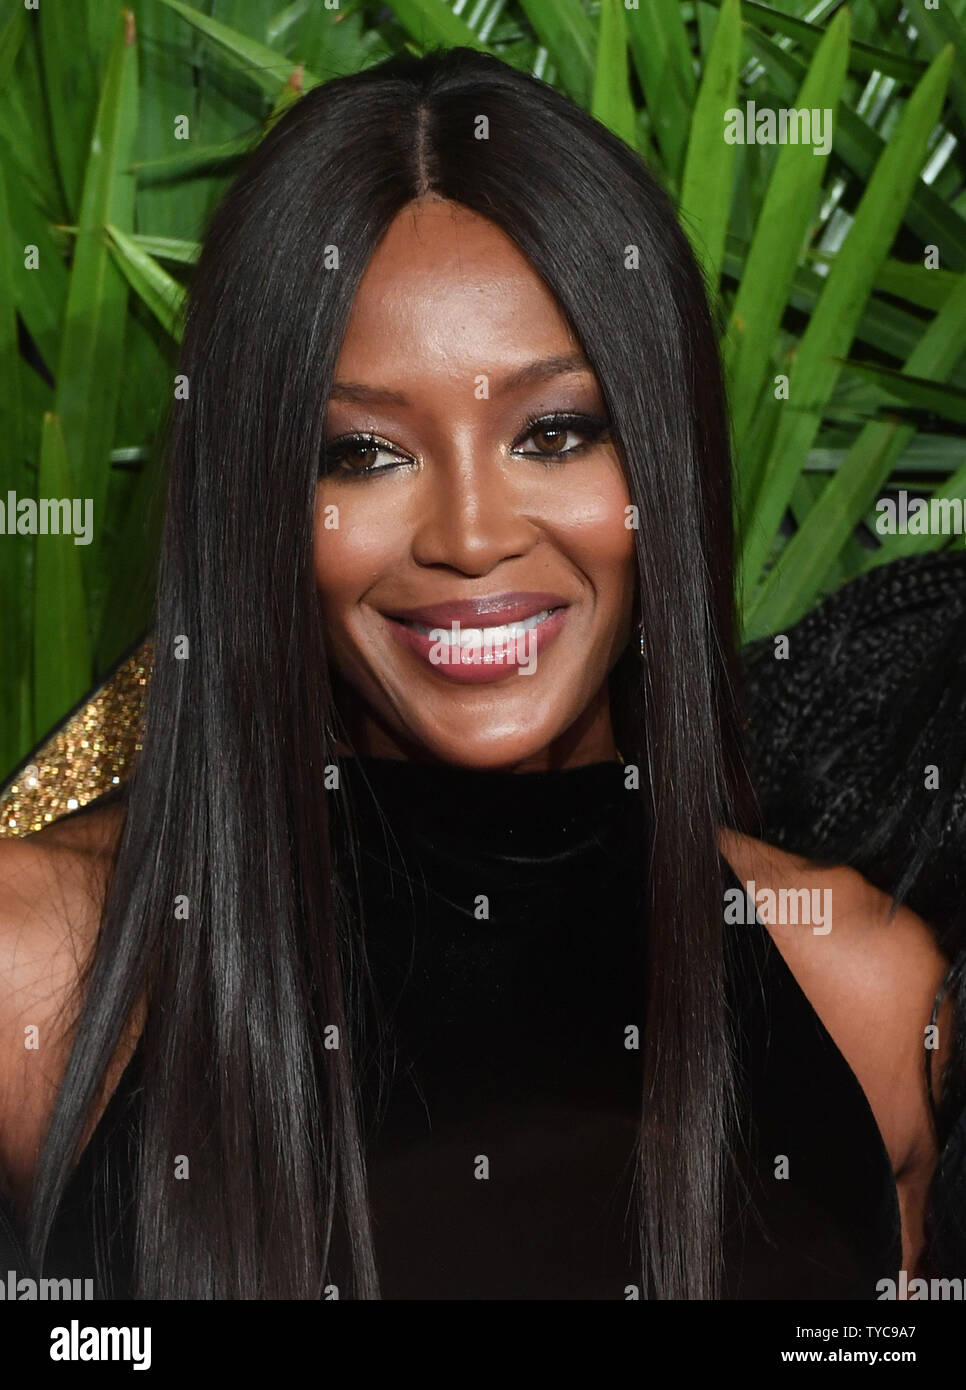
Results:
<point x="543" y="370"/>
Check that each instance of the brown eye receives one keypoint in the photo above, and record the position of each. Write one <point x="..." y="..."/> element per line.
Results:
<point x="559" y="436"/>
<point x="549" y="440"/>
<point x="356" y="457"/>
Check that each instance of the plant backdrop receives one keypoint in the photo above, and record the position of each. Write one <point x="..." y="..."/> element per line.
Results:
<point x="839" y="277"/>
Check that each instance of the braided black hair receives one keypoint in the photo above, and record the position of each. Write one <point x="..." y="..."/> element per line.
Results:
<point x="841" y="731"/>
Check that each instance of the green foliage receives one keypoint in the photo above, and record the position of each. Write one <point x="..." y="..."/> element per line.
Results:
<point x="121" y="127"/>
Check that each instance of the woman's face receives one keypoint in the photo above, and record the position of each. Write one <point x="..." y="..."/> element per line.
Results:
<point x="474" y="562"/>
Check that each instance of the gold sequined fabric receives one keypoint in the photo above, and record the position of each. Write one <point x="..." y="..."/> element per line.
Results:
<point x="93" y="750"/>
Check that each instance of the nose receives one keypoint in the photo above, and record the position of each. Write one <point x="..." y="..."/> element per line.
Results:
<point x="470" y="517"/>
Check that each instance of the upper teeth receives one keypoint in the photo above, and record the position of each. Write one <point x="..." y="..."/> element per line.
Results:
<point x="476" y="636"/>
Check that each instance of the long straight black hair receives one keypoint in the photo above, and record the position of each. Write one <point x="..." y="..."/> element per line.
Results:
<point x="227" y="812"/>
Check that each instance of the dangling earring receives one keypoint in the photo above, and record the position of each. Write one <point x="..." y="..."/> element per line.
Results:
<point x="640" y="635"/>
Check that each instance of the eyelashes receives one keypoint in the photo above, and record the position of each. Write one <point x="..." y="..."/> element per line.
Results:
<point x="353" y="455"/>
<point x="593" y="428"/>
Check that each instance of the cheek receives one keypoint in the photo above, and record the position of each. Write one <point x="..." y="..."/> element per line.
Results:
<point x="597" y="533"/>
<point x="353" y="545"/>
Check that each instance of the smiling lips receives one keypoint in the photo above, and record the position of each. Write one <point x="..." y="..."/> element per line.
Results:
<point x="483" y="639"/>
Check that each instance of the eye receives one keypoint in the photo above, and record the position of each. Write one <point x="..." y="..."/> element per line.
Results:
<point x="356" y="456"/>
<point x="553" y="435"/>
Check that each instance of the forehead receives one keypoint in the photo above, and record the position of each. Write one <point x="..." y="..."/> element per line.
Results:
<point x="447" y="286"/>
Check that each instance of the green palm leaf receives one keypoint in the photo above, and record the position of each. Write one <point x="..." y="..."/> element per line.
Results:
<point x="832" y="326"/>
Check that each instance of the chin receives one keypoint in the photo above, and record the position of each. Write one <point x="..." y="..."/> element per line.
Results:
<point x="500" y="750"/>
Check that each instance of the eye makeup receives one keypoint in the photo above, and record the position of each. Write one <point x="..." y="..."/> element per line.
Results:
<point x="593" y="428"/>
<point x="345" y="455"/>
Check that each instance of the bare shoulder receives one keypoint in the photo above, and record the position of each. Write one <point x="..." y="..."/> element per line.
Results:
<point x="51" y="898"/>
<point x="51" y="886"/>
<point x="870" y="974"/>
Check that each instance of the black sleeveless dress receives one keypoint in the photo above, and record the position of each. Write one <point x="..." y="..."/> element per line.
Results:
<point x="503" y="938"/>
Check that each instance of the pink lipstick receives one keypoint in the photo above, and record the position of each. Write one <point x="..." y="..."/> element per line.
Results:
<point x="483" y="639"/>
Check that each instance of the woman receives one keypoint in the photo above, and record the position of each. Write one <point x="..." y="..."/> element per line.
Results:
<point x="450" y="369"/>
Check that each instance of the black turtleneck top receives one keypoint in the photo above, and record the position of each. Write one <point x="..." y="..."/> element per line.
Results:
<point x="503" y="930"/>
